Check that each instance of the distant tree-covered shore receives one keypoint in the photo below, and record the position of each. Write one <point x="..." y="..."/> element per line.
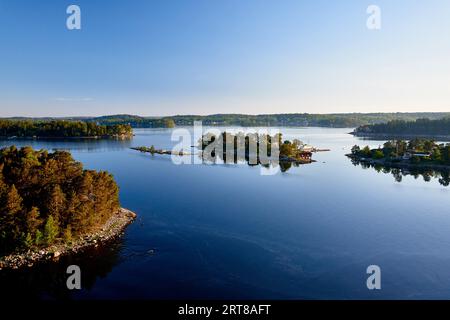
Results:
<point x="401" y="128"/>
<point x="62" y="129"/>
<point x="337" y="120"/>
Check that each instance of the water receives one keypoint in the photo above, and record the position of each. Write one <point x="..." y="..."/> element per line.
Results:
<point x="226" y="231"/>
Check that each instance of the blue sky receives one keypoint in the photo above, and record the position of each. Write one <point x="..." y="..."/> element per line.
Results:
<point x="155" y="57"/>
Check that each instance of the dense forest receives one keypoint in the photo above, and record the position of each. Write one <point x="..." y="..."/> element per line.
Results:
<point x="61" y="129"/>
<point x="47" y="198"/>
<point x="341" y="120"/>
<point x="425" y="127"/>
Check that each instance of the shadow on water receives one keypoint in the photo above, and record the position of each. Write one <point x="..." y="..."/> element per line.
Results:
<point x="79" y="145"/>
<point x="442" y="176"/>
<point x="237" y="159"/>
<point x="48" y="280"/>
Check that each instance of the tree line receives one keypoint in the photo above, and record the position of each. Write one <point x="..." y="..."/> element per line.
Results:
<point x="61" y="129"/>
<point x="337" y="120"/>
<point x="47" y="198"/>
<point x="344" y="120"/>
<point x="423" y="126"/>
<point x="134" y="121"/>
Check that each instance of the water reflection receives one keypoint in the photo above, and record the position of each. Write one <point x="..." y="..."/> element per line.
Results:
<point x="443" y="176"/>
<point x="245" y="158"/>
<point x="48" y="280"/>
<point x="79" y="145"/>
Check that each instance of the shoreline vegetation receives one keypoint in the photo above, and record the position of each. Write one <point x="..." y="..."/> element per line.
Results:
<point x="438" y="129"/>
<point x="47" y="200"/>
<point x="335" y="120"/>
<point x="416" y="157"/>
<point x="61" y="129"/>
<point x="112" y="229"/>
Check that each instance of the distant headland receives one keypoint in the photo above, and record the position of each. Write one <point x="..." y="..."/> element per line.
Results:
<point x="64" y="129"/>
<point x="438" y="129"/>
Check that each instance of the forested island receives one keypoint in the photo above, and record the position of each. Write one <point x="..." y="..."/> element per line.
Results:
<point x="50" y="206"/>
<point x="337" y="120"/>
<point x="62" y="129"/>
<point x="417" y="157"/>
<point x="438" y="129"/>
<point x="243" y="146"/>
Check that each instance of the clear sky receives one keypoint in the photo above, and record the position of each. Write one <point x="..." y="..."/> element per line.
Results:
<point x="165" y="57"/>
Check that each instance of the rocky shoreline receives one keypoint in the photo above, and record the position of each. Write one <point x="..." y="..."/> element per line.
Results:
<point x="112" y="229"/>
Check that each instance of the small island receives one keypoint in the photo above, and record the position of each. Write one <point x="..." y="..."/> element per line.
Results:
<point x="62" y="129"/>
<point x="50" y="206"/>
<point x="415" y="154"/>
<point x="245" y="147"/>
<point x="294" y="151"/>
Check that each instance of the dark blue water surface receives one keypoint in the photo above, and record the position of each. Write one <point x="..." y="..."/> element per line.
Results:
<point x="226" y="231"/>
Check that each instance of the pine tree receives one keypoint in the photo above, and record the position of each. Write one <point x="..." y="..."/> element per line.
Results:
<point x="39" y="239"/>
<point x="50" y="230"/>
<point x="33" y="221"/>
<point x="28" y="241"/>
<point x="68" y="234"/>
<point x="56" y="203"/>
<point x="13" y="203"/>
<point x="12" y="210"/>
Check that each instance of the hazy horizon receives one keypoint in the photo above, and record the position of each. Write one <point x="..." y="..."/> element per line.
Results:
<point x="224" y="57"/>
<point x="212" y="114"/>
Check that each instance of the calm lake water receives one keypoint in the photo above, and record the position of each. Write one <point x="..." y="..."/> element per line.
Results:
<point x="226" y="231"/>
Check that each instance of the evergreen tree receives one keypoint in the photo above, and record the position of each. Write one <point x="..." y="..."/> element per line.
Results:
<point x="68" y="234"/>
<point x="12" y="210"/>
<point x="50" y="230"/>
<point x="33" y="221"/>
<point x="56" y="203"/>
<point x="29" y="241"/>
<point x="39" y="239"/>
